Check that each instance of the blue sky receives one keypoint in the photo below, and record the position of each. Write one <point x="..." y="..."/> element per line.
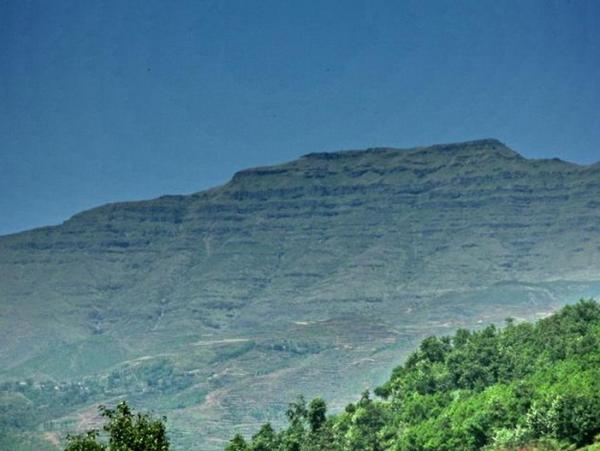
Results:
<point x="120" y="100"/>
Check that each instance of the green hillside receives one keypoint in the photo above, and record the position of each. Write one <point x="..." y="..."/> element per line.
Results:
<point x="314" y="276"/>
<point x="526" y="386"/>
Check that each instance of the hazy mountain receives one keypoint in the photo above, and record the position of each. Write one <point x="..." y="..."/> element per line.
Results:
<point x="219" y="307"/>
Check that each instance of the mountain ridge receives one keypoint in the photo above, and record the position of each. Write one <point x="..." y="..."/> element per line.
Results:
<point x="490" y="144"/>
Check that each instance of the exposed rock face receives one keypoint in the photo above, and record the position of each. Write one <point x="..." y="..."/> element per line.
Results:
<point x="335" y="262"/>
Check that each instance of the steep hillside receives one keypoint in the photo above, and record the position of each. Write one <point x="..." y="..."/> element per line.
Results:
<point x="214" y="307"/>
<point x="526" y="387"/>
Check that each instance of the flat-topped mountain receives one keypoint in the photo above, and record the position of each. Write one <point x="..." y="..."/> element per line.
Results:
<point x="217" y="308"/>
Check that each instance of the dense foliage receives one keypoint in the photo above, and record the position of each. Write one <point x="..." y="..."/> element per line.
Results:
<point x="525" y="386"/>
<point x="126" y="431"/>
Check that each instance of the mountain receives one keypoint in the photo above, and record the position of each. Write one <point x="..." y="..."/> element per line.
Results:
<point x="314" y="276"/>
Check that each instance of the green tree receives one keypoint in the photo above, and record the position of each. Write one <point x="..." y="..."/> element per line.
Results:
<point x="237" y="443"/>
<point x="85" y="442"/>
<point x="366" y="422"/>
<point x="265" y="440"/>
<point x="295" y="435"/>
<point x="126" y="432"/>
<point x="317" y="411"/>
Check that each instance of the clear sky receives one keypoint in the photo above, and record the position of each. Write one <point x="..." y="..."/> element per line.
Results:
<point x="120" y="100"/>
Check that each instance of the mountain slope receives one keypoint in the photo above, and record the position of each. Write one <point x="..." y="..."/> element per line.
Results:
<point x="336" y="263"/>
<point x="524" y="387"/>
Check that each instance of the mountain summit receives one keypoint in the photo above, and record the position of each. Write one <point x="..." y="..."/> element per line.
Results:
<point x="215" y="306"/>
